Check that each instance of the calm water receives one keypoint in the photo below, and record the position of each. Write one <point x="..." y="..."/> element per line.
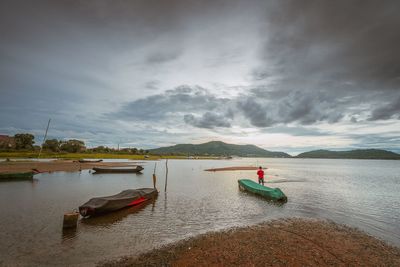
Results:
<point x="359" y="193"/>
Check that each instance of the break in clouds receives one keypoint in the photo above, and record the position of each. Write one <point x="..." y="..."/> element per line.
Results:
<point x="162" y="72"/>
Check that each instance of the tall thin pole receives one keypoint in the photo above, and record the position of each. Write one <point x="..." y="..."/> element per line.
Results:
<point x="44" y="138"/>
<point x="166" y="175"/>
<point x="154" y="176"/>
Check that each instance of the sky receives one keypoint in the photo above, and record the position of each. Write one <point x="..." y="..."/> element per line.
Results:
<point x="284" y="75"/>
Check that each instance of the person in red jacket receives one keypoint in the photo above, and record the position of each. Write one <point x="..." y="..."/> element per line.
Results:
<point x="260" y="174"/>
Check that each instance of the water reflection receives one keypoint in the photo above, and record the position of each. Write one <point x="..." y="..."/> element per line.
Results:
<point x="69" y="234"/>
<point x="33" y="181"/>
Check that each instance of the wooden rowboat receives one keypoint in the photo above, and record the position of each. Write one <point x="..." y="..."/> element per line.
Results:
<point x="264" y="191"/>
<point x="16" y="176"/>
<point x="127" y="198"/>
<point x="89" y="161"/>
<point x="118" y="169"/>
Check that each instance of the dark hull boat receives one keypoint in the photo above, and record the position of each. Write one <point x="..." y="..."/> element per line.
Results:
<point x="118" y="169"/>
<point x="127" y="198"/>
<point x="16" y="176"/>
<point x="89" y="161"/>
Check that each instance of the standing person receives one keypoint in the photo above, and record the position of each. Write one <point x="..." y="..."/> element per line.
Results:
<point x="260" y="174"/>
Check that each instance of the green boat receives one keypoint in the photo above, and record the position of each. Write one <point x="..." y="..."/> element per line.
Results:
<point x="266" y="192"/>
<point x="16" y="176"/>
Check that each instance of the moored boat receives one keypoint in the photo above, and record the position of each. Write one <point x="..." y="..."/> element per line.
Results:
<point x="118" y="169"/>
<point x="16" y="176"/>
<point x="127" y="198"/>
<point x="264" y="191"/>
<point x="89" y="161"/>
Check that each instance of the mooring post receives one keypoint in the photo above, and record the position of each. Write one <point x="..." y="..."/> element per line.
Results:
<point x="70" y="219"/>
<point x="166" y="175"/>
<point x="154" y="176"/>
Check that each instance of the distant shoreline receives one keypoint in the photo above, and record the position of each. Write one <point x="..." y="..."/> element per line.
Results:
<point x="76" y="156"/>
<point x="293" y="242"/>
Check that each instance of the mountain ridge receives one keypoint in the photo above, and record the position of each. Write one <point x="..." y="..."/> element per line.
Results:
<point x="350" y="154"/>
<point x="218" y="148"/>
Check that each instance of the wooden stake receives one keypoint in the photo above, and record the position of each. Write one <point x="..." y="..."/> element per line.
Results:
<point x="166" y="175"/>
<point x="70" y="219"/>
<point x="154" y="176"/>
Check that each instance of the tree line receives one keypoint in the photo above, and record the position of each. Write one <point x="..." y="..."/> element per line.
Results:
<point x="26" y="142"/>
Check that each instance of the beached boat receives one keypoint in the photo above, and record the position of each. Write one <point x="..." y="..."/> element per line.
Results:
<point x="264" y="191"/>
<point x="118" y="169"/>
<point x="16" y="176"/>
<point x="127" y="198"/>
<point x="89" y="161"/>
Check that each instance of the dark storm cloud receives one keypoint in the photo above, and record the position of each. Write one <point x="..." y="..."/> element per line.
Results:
<point x="308" y="62"/>
<point x="387" y="111"/>
<point x="208" y="120"/>
<point x="335" y="49"/>
<point x="182" y="99"/>
<point x="335" y="41"/>
<point x="264" y="109"/>
<point x="255" y="112"/>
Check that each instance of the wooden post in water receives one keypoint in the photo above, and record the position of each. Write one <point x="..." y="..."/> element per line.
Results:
<point x="154" y="176"/>
<point x="70" y="219"/>
<point x="166" y="175"/>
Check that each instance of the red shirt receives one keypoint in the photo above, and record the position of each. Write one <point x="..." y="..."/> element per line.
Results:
<point x="260" y="174"/>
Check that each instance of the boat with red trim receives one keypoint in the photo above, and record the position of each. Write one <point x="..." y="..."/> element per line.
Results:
<point x="127" y="198"/>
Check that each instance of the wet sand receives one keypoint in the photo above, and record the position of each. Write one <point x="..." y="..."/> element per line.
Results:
<point x="56" y="165"/>
<point x="235" y="168"/>
<point x="291" y="242"/>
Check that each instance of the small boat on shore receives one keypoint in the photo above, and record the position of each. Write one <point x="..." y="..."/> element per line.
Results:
<point x="16" y="176"/>
<point x="89" y="161"/>
<point x="264" y="191"/>
<point x="127" y="198"/>
<point x="118" y="169"/>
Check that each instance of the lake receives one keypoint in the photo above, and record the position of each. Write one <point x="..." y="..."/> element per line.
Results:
<point x="360" y="193"/>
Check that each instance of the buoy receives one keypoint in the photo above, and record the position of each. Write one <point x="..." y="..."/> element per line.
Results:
<point x="70" y="219"/>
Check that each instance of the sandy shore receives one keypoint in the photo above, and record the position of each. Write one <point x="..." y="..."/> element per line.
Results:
<point x="292" y="242"/>
<point x="55" y="165"/>
<point x="235" y="168"/>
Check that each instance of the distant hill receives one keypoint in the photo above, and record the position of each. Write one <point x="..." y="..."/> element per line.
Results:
<point x="218" y="148"/>
<point x="352" y="154"/>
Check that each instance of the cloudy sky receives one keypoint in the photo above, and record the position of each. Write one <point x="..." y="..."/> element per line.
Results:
<point x="284" y="75"/>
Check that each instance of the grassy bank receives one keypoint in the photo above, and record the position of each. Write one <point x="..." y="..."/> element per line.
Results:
<point x="44" y="155"/>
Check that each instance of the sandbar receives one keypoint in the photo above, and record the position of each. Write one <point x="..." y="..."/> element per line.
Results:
<point x="289" y="242"/>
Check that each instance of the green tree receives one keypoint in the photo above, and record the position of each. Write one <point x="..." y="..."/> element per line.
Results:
<point x="24" y="141"/>
<point x="52" y="145"/>
<point x="73" y="146"/>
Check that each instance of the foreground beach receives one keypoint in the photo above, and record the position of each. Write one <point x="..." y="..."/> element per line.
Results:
<point x="291" y="242"/>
